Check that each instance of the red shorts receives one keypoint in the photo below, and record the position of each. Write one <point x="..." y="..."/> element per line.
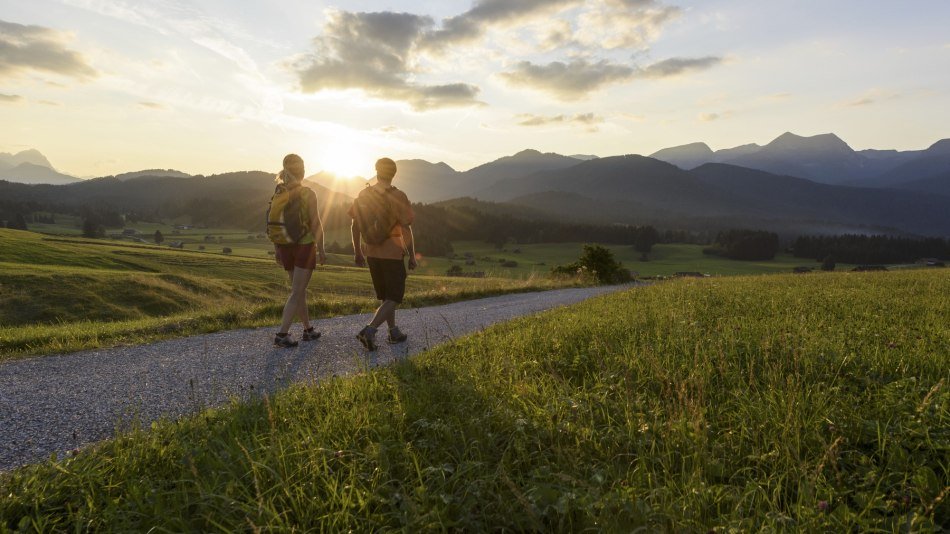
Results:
<point x="290" y="256"/>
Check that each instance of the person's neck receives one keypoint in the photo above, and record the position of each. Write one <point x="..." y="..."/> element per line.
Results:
<point x="383" y="183"/>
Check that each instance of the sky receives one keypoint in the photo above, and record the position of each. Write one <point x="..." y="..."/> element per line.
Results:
<point x="209" y="86"/>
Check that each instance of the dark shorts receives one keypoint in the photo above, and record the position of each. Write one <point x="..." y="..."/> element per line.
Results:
<point x="389" y="278"/>
<point x="290" y="256"/>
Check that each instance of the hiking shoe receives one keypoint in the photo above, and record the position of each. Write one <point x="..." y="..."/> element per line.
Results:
<point x="284" y="341"/>
<point x="367" y="337"/>
<point x="310" y="335"/>
<point x="396" y="335"/>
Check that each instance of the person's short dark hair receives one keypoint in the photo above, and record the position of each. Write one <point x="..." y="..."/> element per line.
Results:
<point x="385" y="168"/>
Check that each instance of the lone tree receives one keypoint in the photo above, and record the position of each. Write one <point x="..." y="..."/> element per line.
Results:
<point x="598" y="262"/>
<point x="828" y="264"/>
<point x="92" y="226"/>
<point x="159" y="238"/>
<point x="646" y="237"/>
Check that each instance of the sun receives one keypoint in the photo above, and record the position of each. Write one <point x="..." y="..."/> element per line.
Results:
<point x="344" y="160"/>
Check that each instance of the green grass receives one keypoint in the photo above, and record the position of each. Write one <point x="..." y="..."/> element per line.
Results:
<point x="664" y="260"/>
<point x="802" y="403"/>
<point x="60" y="294"/>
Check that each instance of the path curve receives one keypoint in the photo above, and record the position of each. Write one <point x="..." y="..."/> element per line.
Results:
<point x="57" y="403"/>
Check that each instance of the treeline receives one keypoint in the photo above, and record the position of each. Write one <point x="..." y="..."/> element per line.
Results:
<point x="437" y="226"/>
<point x="864" y="249"/>
<point x="749" y="245"/>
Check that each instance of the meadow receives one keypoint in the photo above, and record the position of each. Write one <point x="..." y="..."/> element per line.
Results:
<point x="61" y="294"/>
<point x="806" y="403"/>
<point x="531" y="259"/>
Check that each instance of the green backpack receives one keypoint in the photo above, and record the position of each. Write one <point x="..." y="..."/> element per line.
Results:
<point x="287" y="221"/>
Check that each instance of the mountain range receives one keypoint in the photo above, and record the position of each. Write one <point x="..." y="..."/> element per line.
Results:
<point x="824" y="158"/>
<point x="793" y="184"/>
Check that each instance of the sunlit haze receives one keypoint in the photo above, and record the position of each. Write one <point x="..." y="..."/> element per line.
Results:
<point x="102" y="87"/>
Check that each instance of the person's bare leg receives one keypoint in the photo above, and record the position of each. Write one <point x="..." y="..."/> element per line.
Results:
<point x="298" y="297"/>
<point x="385" y="313"/>
<point x="304" y="313"/>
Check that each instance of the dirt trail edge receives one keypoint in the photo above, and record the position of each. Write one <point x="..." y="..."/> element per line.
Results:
<point x="53" y="404"/>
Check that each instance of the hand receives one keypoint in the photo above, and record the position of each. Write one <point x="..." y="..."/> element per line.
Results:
<point x="359" y="260"/>
<point x="412" y="264"/>
<point x="322" y="258"/>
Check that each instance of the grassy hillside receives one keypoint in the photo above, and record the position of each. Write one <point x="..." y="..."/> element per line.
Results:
<point x="817" y="403"/>
<point x="63" y="294"/>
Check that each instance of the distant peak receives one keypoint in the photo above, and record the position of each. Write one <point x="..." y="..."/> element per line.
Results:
<point x="790" y="140"/>
<point x="690" y="148"/>
<point x="528" y="152"/>
<point x="942" y="146"/>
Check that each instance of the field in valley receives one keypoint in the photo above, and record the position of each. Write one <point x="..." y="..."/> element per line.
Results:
<point x="807" y="403"/>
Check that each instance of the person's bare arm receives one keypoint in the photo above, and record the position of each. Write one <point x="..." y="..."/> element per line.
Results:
<point x="410" y="245"/>
<point x="357" y="251"/>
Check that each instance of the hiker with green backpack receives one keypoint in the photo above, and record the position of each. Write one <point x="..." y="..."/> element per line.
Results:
<point x="293" y="225"/>
<point x="382" y="238"/>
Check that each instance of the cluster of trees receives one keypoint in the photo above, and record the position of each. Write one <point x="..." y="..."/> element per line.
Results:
<point x="750" y="245"/>
<point x="866" y="249"/>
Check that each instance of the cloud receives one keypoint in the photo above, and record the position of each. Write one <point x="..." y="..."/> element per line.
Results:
<point x="678" y="65"/>
<point x="386" y="54"/>
<point x="588" y="120"/>
<point x="24" y="48"/>
<point x="624" y="23"/>
<point x="473" y="24"/>
<point x="529" y="119"/>
<point x="151" y="105"/>
<point x="49" y="103"/>
<point x="10" y="99"/>
<point x="373" y="52"/>
<point x="710" y="117"/>
<point x="874" y="96"/>
<point x="568" y="81"/>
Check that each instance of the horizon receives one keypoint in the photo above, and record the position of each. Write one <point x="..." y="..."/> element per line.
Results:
<point x="211" y="88"/>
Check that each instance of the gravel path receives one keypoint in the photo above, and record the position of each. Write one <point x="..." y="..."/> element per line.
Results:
<point x="57" y="403"/>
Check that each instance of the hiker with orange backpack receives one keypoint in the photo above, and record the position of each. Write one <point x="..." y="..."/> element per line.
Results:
<point x="293" y="225"/>
<point x="382" y="238"/>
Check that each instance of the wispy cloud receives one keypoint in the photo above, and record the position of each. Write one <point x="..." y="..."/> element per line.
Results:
<point x="10" y="99"/>
<point x="678" y="65"/>
<point x="578" y="78"/>
<point x="871" y="97"/>
<point x="151" y="105"/>
<point x="589" y="120"/>
<point x="715" y="116"/>
<point x="50" y="103"/>
<point x="24" y="48"/>
<point x="568" y="81"/>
